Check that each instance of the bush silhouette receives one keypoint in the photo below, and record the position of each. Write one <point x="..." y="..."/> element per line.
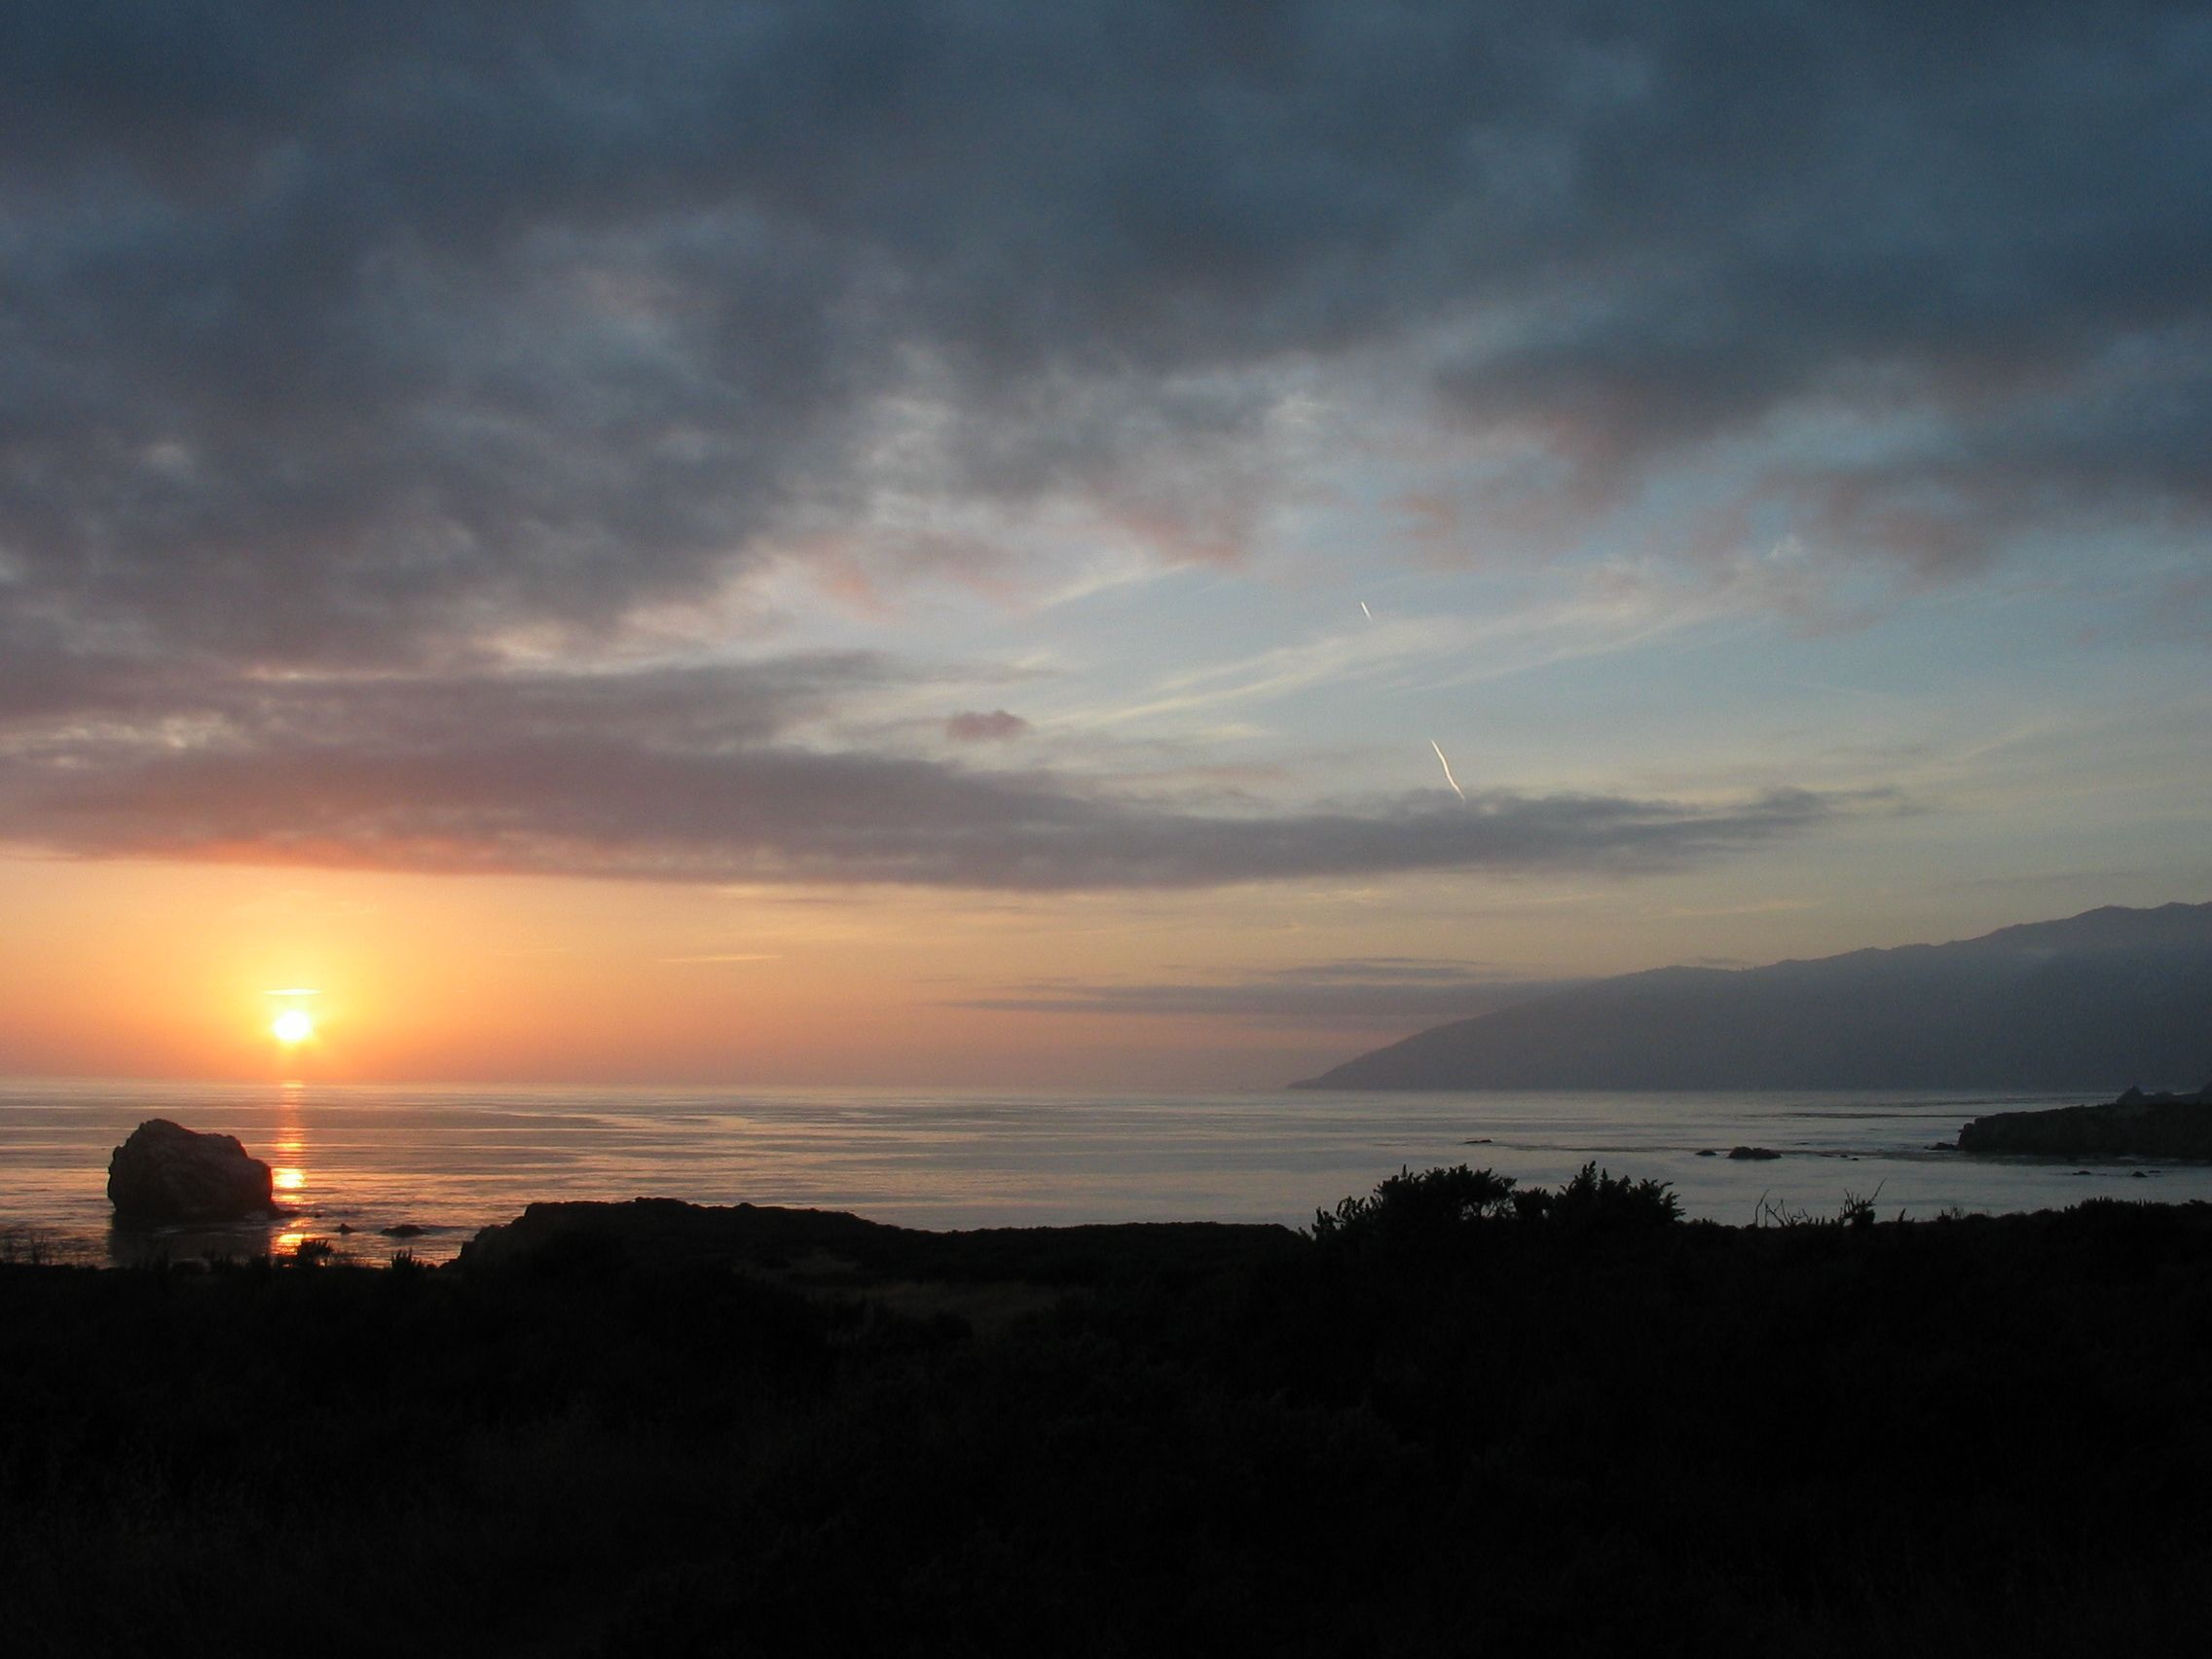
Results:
<point x="1596" y="1200"/>
<point x="1427" y="1210"/>
<point x="1413" y="1209"/>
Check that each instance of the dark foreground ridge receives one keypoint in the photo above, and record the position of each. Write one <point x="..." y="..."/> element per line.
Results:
<point x="2135" y="1125"/>
<point x="1453" y="1417"/>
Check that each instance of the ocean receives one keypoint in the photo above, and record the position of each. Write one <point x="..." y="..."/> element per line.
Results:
<point x="354" y="1160"/>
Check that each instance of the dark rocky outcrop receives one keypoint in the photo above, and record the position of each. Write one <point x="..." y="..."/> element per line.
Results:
<point x="1754" y="1154"/>
<point x="2135" y="1125"/>
<point x="166" y="1175"/>
<point x="665" y="1233"/>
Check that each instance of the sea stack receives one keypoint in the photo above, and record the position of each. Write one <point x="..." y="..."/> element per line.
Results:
<point x="166" y="1175"/>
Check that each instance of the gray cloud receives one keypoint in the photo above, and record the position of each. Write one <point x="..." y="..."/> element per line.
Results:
<point x="970" y="725"/>
<point x="1379" y="993"/>
<point x="349" y="332"/>
<point x="52" y="694"/>
<point x="701" y="775"/>
<point x="338" y="343"/>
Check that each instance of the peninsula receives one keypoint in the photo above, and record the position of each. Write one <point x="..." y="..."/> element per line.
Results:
<point x="2134" y="1125"/>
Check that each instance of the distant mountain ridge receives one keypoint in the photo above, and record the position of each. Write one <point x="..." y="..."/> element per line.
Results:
<point x="2108" y="998"/>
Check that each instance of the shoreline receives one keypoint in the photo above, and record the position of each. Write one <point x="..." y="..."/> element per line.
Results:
<point x="278" y="1238"/>
<point x="373" y="1161"/>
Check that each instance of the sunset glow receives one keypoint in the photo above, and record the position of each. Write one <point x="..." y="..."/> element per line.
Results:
<point x="1113" y="824"/>
<point x="1272" y="580"/>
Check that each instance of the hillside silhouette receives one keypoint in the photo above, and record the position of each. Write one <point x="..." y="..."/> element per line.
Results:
<point x="2107" y="998"/>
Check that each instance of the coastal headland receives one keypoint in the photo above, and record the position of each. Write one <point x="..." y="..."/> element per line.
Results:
<point x="2136" y="1124"/>
<point x="1451" y="1415"/>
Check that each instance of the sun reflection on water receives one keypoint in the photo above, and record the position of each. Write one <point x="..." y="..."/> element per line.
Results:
<point x="290" y="1177"/>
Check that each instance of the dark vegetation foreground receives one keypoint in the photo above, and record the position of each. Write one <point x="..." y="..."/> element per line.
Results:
<point x="1456" y="1419"/>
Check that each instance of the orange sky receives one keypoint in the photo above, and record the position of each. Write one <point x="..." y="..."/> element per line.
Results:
<point x="145" y="969"/>
<point x="672" y="546"/>
<point x="472" y="979"/>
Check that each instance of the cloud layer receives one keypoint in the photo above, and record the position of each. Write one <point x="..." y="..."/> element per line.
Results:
<point x="694" y="775"/>
<point x="337" y="330"/>
<point x="343" y="347"/>
<point x="1378" y="993"/>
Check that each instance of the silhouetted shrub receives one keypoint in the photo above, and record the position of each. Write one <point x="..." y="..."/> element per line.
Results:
<point x="26" y="1244"/>
<point x="1859" y="1209"/>
<point x="1599" y="1202"/>
<point x="1428" y="1210"/>
<point x="1409" y="1209"/>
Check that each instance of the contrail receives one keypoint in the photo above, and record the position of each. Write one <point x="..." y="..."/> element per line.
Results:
<point x="1446" y="766"/>
<point x="1432" y="743"/>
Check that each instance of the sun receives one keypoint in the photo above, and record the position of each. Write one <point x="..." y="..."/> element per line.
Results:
<point x="292" y="1027"/>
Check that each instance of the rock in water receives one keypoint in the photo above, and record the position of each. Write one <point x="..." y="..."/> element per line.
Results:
<point x="167" y="1174"/>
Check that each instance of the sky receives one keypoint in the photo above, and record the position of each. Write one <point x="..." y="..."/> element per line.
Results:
<point x="946" y="543"/>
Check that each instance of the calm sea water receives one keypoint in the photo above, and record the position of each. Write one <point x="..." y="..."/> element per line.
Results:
<point x="452" y="1159"/>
